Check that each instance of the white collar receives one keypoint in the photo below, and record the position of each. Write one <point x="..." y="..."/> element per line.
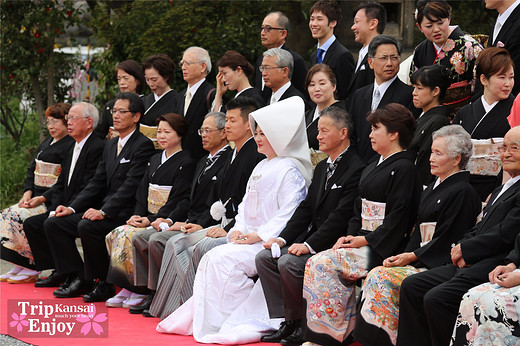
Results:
<point x="241" y="91"/>
<point x="487" y="107"/>
<point x="157" y="97"/>
<point x="438" y="180"/>
<point x="280" y="91"/>
<point x="82" y="143"/>
<point x="325" y="46"/>
<point x="218" y="151"/>
<point x="193" y="89"/>
<point x="381" y="157"/>
<point x="164" y="158"/>
<point x="502" y="18"/>
<point x="383" y="87"/>
<point x="343" y="152"/>
<point x="123" y="141"/>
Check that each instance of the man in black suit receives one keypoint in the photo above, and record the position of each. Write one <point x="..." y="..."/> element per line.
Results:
<point x="277" y="68"/>
<point x="195" y="101"/>
<point x="506" y="31"/>
<point x="369" y="21"/>
<point x="315" y="226"/>
<point x="78" y="168"/>
<point x="429" y="301"/>
<point x="325" y="15"/>
<point x="383" y="57"/>
<point x="273" y="33"/>
<point x="105" y="203"/>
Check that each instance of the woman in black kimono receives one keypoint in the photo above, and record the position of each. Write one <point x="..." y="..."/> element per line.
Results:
<point x="42" y="174"/>
<point x="448" y="208"/>
<point x="486" y="118"/>
<point x="384" y="214"/>
<point x="429" y="88"/>
<point x="448" y="46"/>
<point x="166" y="181"/>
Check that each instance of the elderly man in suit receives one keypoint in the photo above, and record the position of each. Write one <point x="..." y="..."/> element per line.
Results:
<point x="324" y="16"/>
<point x="105" y="203"/>
<point x="273" y="33"/>
<point x="429" y="301"/>
<point x="369" y="21"/>
<point x="315" y="225"/>
<point x="195" y="101"/>
<point x="277" y="68"/>
<point x="384" y="53"/>
<point x="506" y="31"/>
<point x="78" y="168"/>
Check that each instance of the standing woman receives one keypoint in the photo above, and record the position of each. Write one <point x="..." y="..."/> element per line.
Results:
<point x="486" y="118"/>
<point x="42" y="174"/>
<point x="130" y="77"/>
<point x="233" y="74"/>
<point x="429" y="88"/>
<point x="321" y="86"/>
<point x="384" y="214"/>
<point x="448" y="209"/>
<point x="448" y="46"/>
<point x="165" y="183"/>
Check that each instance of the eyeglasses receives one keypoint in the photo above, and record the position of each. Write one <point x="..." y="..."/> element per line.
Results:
<point x="205" y="131"/>
<point x="121" y="111"/>
<point x="52" y="122"/>
<point x="392" y="58"/>
<point x="512" y="149"/>
<point x="74" y="117"/>
<point x="187" y="62"/>
<point x="268" y="68"/>
<point x="268" y="28"/>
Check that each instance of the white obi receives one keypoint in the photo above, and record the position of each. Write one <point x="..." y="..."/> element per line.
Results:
<point x="151" y="133"/>
<point x="427" y="232"/>
<point x="157" y="197"/>
<point x="46" y="174"/>
<point x="486" y="158"/>
<point x="372" y="214"/>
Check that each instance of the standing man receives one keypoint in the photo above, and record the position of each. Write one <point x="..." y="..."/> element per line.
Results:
<point x="506" y="31"/>
<point x="195" y="101"/>
<point x="273" y="33"/>
<point x="369" y="21"/>
<point x="105" y="203"/>
<point x="315" y="226"/>
<point x="384" y="53"/>
<point x="277" y="68"/>
<point x="78" y="168"/>
<point x="325" y="15"/>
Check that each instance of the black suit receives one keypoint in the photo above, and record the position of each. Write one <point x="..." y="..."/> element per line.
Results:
<point x="509" y="35"/>
<point x="341" y="61"/>
<point x="298" y="76"/>
<point x="363" y="76"/>
<point x="200" y="105"/>
<point x="361" y="106"/>
<point x="327" y="209"/>
<point x="112" y="189"/>
<point x="429" y="301"/>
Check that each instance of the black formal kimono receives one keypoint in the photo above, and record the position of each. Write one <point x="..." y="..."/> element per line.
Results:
<point x="253" y="93"/>
<point x="105" y="120"/>
<point x="427" y="124"/>
<point x="480" y="125"/>
<point x="312" y="125"/>
<point x="166" y="104"/>
<point x="341" y="61"/>
<point x="453" y="206"/>
<point x="363" y="76"/>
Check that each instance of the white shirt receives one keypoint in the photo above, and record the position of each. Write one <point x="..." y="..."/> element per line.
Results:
<point x="506" y="186"/>
<point x="280" y="91"/>
<point x="362" y="52"/>
<point x="195" y="87"/>
<point x="325" y="46"/>
<point x="502" y="18"/>
<point x="123" y="141"/>
<point x="382" y="88"/>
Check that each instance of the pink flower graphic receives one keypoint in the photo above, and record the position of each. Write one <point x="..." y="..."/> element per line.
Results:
<point x="18" y="321"/>
<point x="449" y="45"/>
<point x="500" y="44"/>
<point x="92" y="321"/>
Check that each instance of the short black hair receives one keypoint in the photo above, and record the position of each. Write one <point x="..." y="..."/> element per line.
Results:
<point x="374" y="10"/>
<point x="246" y="105"/>
<point x="379" y="40"/>
<point x="433" y="76"/>
<point x="163" y="64"/>
<point x="136" y="104"/>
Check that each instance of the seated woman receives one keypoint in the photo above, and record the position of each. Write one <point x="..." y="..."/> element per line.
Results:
<point x="42" y="174"/>
<point x="321" y="85"/>
<point x="489" y="313"/>
<point x="486" y="119"/>
<point x="448" y="208"/>
<point x="448" y="46"/>
<point x="384" y="214"/>
<point x="223" y="289"/>
<point x="429" y="88"/>
<point x="233" y="74"/>
<point x="165" y="183"/>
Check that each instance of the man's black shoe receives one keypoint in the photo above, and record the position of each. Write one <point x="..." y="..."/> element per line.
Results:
<point x="293" y="339"/>
<point x="145" y="305"/>
<point x="54" y="280"/>
<point x="76" y="288"/>
<point x="286" y="329"/>
<point x="101" y="292"/>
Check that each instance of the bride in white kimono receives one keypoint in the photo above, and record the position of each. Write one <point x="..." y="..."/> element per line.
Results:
<point x="227" y="306"/>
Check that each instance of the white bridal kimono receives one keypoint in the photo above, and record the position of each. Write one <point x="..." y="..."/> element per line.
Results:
<point x="227" y="306"/>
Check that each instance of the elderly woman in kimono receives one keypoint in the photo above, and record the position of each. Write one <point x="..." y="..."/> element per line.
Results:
<point x="224" y="300"/>
<point x="384" y="215"/>
<point x="486" y="118"/>
<point x="449" y="207"/>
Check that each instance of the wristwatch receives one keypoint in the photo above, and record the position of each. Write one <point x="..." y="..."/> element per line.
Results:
<point x="103" y="213"/>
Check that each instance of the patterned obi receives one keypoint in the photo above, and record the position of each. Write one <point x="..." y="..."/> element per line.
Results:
<point x="485" y="159"/>
<point x="372" y="214"/>
<point x="457" y="95"/>
<point x="157" y="197"/>
<point x="151" y="133"/>
<point x="46" y="174"/>
<point x="427" y="231"/>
